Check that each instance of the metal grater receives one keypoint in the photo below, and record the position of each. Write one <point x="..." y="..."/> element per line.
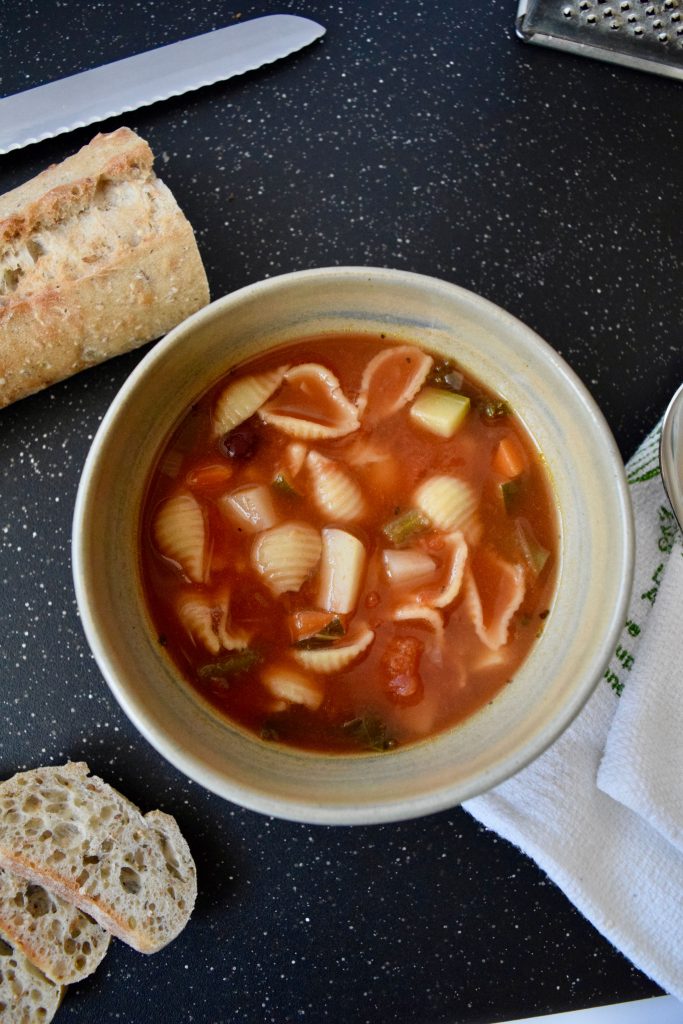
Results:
<point x="645" y="34"/>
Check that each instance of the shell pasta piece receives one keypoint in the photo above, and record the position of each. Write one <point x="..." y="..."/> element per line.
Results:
<point x="287" y="684"/>
<point x="180" y="533"/>
<point x="493" y="591"/>
<point x="338" y="655"/>
<point x="450" y="588"/>
<point x="243" y="397"/>
<point x="335" y="492"/>
<point x="391" y="379"/>
<point x="421" y="612"/>
<point x="195" y="614"/>
<point x="311" y="405"/>
<point x="207" y="621"/>
<point x="286" y="555"/>
<point x="449" y="502"/>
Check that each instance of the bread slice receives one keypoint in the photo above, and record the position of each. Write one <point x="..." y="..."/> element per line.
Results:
<point x="65" y="944"/>
<point x="95" y="258"/>
<point x="26" y="995"/>
<point x="78" y="837"/>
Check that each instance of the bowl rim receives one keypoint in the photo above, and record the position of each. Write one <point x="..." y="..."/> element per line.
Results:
<point x="257" y="798"/>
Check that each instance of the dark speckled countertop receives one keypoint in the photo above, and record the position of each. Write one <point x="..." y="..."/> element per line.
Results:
<point x="417" y="135"/>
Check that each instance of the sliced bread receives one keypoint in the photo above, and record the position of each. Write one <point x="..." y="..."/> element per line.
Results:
<point x="65" y="944"/>
<point x="96" y="257"/>
<point x="26" y="995"/>
<point x="81" y="839"/>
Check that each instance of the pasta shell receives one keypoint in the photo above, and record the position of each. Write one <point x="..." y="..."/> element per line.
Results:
<point x="286" y="555"/>
<point x="196" y="616"/>
<point x="171" y="463"/>
<point x="391" y="379"/>
<point x="231" y="638"/>
<point x="311" y="405"/>
<point x="449" y="502"/>
<point x="337" y="657"/>
<point x="287" y="684"/>
<point x="180" y="533"/>
<point x="450" y="588"/>
<point x="295" y="456"/>
<point x="207" y="620"/>
<point x="335" y="492"/>
<point x="492" y="608"/>
<point x="243" y="397"/>
<point x="422" y="612"/>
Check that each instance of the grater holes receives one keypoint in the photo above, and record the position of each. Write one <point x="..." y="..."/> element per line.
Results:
<point x="646" y="23"/>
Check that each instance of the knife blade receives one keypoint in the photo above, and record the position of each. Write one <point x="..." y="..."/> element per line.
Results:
<point x="146" y="78"/>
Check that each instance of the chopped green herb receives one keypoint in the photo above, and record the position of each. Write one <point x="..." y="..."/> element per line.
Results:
<point x="445" y="375"/>
<point x="284" y="487"/>
<point x="369" y="732"/>
<point x="267" y="733"/>
<point x="405" y="527"/>
<point x="235" y="663"/>
<point x="324" y="637"/>
<point x="493" y="408"/>
<point x="544" y="614"/>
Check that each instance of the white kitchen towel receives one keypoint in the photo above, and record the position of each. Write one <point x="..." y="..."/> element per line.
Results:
<point x="610" y="847"/>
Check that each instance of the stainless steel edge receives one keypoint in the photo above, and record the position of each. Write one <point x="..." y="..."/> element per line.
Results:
<point x="150" y="77"/>
<point x="600" y="53"/>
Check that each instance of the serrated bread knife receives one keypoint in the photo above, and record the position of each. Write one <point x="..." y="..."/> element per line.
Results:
<point x="146" y="78"/>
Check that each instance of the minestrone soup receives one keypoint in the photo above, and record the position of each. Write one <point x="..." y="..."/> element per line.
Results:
<point x="348" y="545"/>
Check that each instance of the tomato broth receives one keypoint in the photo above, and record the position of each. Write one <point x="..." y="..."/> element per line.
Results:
<point x="348" y="545"/>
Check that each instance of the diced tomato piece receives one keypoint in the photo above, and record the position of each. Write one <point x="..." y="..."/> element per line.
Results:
<point x="400" y="670"/>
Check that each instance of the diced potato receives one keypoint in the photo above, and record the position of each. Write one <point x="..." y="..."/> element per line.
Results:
<point x="341" y="570"/>
<point x="250" y="507"/>
<point x="408" y="566"/>
<point x="440" y="412"/>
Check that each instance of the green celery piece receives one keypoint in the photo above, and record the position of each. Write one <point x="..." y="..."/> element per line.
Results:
<point x="534" y="552"/>
<point x="509" y="492"/>
<point x="235" y="663"/>
<point x="406" y="526"/>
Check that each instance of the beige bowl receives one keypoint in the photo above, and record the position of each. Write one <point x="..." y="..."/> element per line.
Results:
<point x="594" y="573"/>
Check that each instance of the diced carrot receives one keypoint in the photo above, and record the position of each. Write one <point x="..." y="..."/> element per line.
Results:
<point x="307" y="623"/>
<point x="212" y="475"/>
<point x="509" y="458"/>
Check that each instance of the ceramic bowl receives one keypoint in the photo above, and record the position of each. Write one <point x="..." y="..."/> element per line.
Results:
<point x="595" y="565"/>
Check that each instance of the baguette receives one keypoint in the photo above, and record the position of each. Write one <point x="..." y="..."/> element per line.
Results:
<point x="56" y="937"/>
<point x="78" y="837"/>
<point x="26" y="995"/>
<point x="96" y="258"/>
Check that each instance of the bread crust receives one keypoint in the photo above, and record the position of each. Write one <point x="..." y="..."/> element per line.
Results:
<point x="96" y="258"/>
